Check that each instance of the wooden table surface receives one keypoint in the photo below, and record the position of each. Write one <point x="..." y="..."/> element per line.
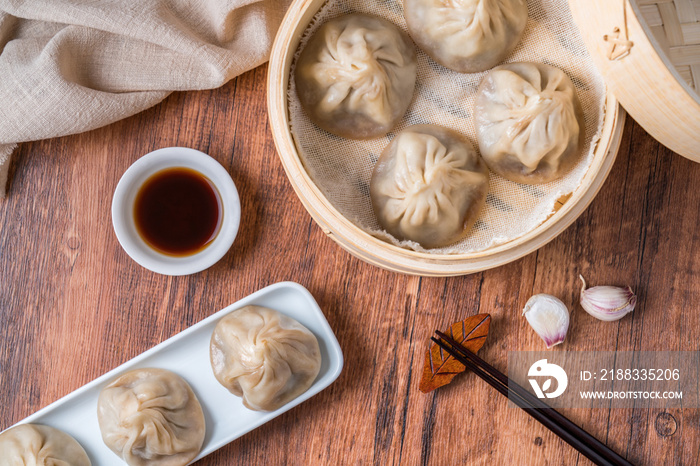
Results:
<point x="73" y="305"/>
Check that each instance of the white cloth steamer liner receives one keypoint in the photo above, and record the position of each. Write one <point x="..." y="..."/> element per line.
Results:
<point x="342" y="168"/>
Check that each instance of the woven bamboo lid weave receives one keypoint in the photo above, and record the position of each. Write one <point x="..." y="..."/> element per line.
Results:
<point x="649" y="54"/>
<point x="676" y="27"/>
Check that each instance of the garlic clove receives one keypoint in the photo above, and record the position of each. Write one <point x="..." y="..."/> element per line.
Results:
<point x="607" y="303"/>
<point x="549" y="317"/>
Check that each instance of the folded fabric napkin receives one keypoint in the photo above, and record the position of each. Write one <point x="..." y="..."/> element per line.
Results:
<point x="68" y="66"/>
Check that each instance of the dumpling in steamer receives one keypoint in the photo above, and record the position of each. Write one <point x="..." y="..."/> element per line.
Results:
<point x="428" y="186"/>
<point x="529" y="122"/>
<point x="356" y="75"/>
<point x="151" y="417"/>
<point x="466" y="35"/>
<point x="264" y="356"/>
<point x="34" y="444"/>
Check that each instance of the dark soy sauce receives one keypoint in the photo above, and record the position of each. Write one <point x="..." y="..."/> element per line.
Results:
<point x="178" y="211"/>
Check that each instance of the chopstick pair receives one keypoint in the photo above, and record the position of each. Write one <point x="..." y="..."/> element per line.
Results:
<point x="572" y="434"/>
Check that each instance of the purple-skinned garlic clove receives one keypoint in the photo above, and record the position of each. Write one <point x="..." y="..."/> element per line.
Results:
<point x="549" y="317"/>
<point x="607" y="303"/>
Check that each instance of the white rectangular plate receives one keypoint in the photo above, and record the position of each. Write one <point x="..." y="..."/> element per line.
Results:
<point x="187" y="354"/>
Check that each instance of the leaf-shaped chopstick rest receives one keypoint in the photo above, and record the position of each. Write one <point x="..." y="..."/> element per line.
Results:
<point x="440" y="368"/>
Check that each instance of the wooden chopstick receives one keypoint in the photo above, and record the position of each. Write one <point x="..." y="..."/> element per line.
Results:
<point x="535" y="402"/>
<point x="574" y="435"/>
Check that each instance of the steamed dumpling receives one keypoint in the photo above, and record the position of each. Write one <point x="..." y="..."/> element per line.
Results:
<point x="428" y="186"/>
<point x="356" y="75"/>
<point x="37" y="445"/>
<point x="466" y="35"/>
<point x="263" y="356"/>
<point x="151" y="417"/>
<point x="529" y="122"/>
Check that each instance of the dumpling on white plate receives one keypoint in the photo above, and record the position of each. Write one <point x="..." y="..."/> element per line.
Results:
<point x="466" y="35"/>
<point x="428" y="186"/>
<point x="35" y="444"/>
<point x="355" y="77"/>
<point x="529" y="122"/>
<point x="264" y="356"/>
<point x="151" y="417"/>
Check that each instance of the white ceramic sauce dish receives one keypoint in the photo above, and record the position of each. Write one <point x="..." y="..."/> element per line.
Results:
<point x="187" y="354"/>
<point x="123" y="211"/>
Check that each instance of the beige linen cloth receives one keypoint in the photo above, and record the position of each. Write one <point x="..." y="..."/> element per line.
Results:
<point x="68" y="66"/>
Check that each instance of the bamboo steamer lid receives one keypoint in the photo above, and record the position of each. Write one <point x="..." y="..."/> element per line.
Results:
<point x="649" y="54"/>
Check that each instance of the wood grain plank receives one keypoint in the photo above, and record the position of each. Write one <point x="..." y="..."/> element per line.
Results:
<point x="73" y="305"/>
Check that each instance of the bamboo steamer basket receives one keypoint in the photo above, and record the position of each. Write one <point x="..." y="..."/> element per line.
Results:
<point x="385" y="255"/>
<point x="649" y="54"/>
